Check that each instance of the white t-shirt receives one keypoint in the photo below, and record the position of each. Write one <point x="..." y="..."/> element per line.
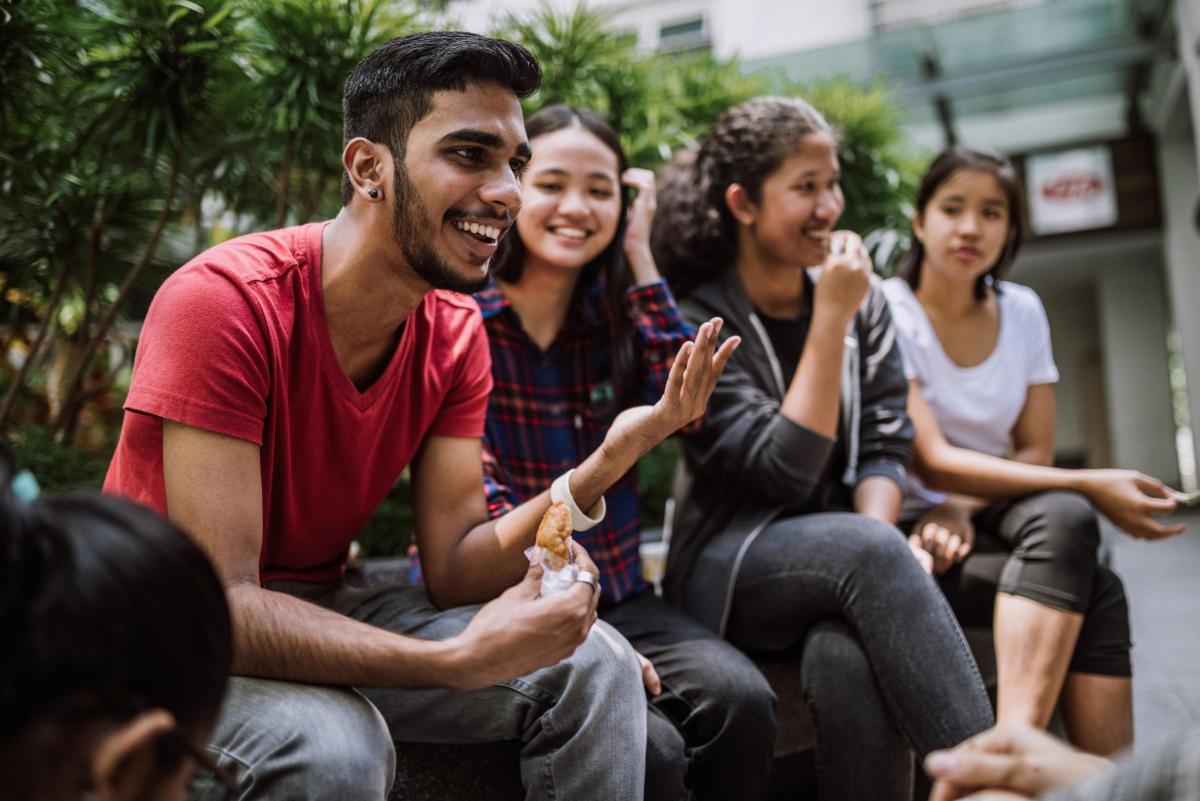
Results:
<point x="976" y="407"/>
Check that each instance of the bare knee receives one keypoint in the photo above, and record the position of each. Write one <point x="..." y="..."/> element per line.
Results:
<point x="1068" y="523"/>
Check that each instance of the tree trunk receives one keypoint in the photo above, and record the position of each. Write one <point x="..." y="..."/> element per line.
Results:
<point x="284" y="188"/>
<point x="35" y="349"/>
<point x="312" y="197"/>
<point x="64" y="424"/>
<point x="199" y="232"/>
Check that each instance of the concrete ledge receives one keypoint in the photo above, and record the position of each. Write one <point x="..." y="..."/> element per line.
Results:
<point x="442" y="772"/>
<point x="464" y="772"/>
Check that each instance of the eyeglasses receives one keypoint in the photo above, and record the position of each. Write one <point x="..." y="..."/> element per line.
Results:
<point x="86" y="706"/>
<point x="174" y="739"/>
<point x="182" y="747"/>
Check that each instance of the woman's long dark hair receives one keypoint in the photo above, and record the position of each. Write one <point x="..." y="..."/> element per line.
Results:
<point x="952" y="161"/>
<point x="610" y="266"/>
<point x="106" y="611"/>
<point x="695" y="234"/>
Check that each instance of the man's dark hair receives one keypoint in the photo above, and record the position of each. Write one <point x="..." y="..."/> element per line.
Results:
<point x="392" y="89"/>
<point x="106" y="611"/>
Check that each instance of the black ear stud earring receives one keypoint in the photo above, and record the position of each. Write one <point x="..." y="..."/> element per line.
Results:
<point x="373" y="193"/>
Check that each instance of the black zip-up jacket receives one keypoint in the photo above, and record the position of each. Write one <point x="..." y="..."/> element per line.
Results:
<point x="749" y="465"/>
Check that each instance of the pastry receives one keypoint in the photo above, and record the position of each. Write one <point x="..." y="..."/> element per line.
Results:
<point x="553" y="534"/>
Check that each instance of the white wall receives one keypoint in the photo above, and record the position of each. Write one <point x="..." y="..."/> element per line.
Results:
<point x="751" y="28"/>
<point x="1106" y="300"/>
<point x="1133" y="313"/>
<point x="1180" y="187"/>
<point x="1187" y="22"/>
<point x="1081" y="428"/>
<point x="760" y="28"/>
<point x="480" y="15"/>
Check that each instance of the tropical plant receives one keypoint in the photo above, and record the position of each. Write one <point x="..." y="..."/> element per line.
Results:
<point x="137" y="133"/>
<point x="95" y="169"/>
<point x="661" y="102"/>
<point x="299" y="56"/>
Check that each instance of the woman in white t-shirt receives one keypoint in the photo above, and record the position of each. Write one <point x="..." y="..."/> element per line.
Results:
<point x="1020" y="552"/>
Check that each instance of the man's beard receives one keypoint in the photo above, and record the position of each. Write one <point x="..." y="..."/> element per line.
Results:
<point x="410" y="217"/>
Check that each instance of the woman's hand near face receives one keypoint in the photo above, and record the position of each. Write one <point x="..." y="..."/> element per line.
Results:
<point x="637" y="226"/>
<point x="845" y="279"/>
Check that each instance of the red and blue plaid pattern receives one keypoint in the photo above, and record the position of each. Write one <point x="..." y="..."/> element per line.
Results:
<point x="549" y="409"/>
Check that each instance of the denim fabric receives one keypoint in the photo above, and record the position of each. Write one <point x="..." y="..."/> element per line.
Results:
<point x="895" y="661"/>
<point x="582" y="721"/>
<point x="716" y="697"/>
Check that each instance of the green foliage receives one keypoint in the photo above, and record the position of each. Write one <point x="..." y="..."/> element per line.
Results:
<point x="31" y="41"/>
<point x="661" y="102"/>
<point x="121" y="118"/>
<point x="59" y="467"/>
<point x="152" y="69"/>
<point x="91" y="169"/>
<point x="656" y="475"/>
<point x="390" y="529"/>
<point x="299" y="56"/>
<point x="135" y="133"/>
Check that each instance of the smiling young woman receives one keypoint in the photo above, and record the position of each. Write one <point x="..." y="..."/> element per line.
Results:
<point x="581" y="327"/>
<point x="784" y="540"/>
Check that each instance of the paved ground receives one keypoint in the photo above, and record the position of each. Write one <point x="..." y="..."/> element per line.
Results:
<point x="1163" y="583"/>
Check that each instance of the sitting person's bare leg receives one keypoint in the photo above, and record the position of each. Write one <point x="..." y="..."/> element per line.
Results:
<point x="1098" y="712"/>
<point x="1034" y="643"/>
<point x="1097" y="700"/>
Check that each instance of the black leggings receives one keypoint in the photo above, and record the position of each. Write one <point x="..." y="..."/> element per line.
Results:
<point x="1044" y="547"/>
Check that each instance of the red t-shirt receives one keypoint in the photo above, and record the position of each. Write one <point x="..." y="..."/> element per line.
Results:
<point x="236" y="342"/>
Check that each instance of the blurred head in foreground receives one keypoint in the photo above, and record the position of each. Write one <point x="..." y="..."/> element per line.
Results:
<point x="116" y="643"/>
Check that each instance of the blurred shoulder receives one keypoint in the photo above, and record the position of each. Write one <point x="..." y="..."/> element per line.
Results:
<point x="1020" y="300"/>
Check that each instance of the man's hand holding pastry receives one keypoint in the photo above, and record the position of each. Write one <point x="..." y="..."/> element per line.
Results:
<point x="520" y="631"/>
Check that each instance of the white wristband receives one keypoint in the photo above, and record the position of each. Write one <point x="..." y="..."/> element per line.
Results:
<point x="560" y="490"/>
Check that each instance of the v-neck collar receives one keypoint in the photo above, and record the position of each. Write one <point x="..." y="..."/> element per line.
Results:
<point x="333" y="369"/>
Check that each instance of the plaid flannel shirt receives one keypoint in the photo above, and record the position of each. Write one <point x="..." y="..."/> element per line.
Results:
<point x="549" y="409"/>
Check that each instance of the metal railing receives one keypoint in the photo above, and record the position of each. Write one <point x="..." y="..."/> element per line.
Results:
<point x="888" y="14"/>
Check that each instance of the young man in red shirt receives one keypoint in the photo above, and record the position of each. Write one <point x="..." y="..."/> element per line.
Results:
<point x="283" y="382"/>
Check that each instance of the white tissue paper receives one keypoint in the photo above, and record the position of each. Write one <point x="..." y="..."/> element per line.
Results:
<point x="554" y="582"/>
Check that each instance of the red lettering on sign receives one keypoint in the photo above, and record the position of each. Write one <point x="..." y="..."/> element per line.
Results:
<point x="1073" y="187"/>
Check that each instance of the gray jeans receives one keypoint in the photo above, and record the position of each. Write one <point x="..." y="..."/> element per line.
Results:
<point x="885" y="666"/>
<point x="582" y="721"/>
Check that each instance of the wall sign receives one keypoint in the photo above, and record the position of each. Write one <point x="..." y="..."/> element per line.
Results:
<point x="1071" y="190"/>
